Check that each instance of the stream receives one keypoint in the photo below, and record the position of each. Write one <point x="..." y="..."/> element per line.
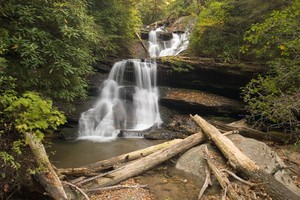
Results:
<point x="76" y="153"/>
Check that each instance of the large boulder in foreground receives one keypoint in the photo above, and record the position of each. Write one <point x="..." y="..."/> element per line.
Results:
<point x="192" y="162"/>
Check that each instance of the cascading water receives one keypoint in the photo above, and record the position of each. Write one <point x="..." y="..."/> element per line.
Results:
<point x="113" y="111"/>
<point x="176" y="45"/>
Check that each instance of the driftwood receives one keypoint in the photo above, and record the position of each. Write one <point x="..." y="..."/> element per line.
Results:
<point x="206" y="183"/>
<point x="143" y="164"/>
<point x="47" y="177"/>
<point x="243" y="164"/>
<point x="77" y="188"/>
<point x="277" y="137"/>
<point x="106" y="164"/>
<point x="238" y="178"/>
<point x="223" y="180"/>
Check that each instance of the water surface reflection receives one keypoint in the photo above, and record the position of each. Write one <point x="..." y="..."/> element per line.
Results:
<point x="81" y="152"/>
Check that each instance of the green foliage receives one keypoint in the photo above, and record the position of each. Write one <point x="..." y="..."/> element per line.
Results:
<point x="178" y="8"/>
<point x="152" y="10"/>
<point x="20" y="114"/>
<point x="156" y="10"/>
<point x="8" y="160"/>
<point x="119" y="20"/>
<point x="177" y="64"/>
<point x="275" y="98"/>
<point x="207" y="37"/>
<point x="48" y="45"/>
<point x="277" y="36"/>
<point x="30" y="113"/>
<point x="222" y="23"/>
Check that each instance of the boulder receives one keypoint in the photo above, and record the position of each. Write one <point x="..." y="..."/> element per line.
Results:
<point x="265" y="158"/>
<point x="182" y="124"/>
<point x="192" y="162"/>
<point x="163" y="134"/>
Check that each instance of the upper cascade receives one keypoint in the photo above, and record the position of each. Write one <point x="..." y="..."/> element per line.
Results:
<point x="160" y="48"/>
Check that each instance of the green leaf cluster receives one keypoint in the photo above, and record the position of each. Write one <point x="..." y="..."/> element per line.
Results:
<point x="221" y="25"/>
<point x="19" y="114"/>
<point x="30" y="113"/>
<point x="119" y="20"/>
<point x="48" y="45"/>
<point x="275" y="97"/>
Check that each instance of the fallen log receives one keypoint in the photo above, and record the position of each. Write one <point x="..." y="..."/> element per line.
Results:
<point x="243" y="164"/>
<point x="223" y="180"/>
<point x="142" y="43"/>
<point x="106" y="164"/>
<point x="47" y="176"/>
<point x="277" y="137"/>
<point x="143" y="164"/>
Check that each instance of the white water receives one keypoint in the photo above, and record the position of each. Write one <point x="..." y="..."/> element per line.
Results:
<point x="176" y="45"/>
<point x="113" y="112"/>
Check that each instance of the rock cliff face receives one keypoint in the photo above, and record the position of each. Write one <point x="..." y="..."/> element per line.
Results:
<point x="205" y="74"/>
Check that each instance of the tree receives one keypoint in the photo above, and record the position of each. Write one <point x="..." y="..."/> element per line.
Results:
<point x="152" y="10"/>
<point x="119" y="20"/>
<point x="222" y="23"/>
<point x="19" y="115"/>
<point x="49" y="45"/>
<point x="274" y="99"/>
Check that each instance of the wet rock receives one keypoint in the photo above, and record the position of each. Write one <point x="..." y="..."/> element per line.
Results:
<point x="68" y="133"/>
<point x="162" y="134"/>
<point x="182" y="124"/>
<point x="144" y="34"/>
<point x="165" y="36"/>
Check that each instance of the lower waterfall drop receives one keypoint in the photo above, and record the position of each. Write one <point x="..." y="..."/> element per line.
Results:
<point x="113" y="112"/>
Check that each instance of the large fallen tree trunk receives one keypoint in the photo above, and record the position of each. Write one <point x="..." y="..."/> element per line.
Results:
<point x="243" y="164"/>
<point x="143" y="164"/>
<point x="47" y="177"/>
<point x="106" y="164"/>
<point x="256" y="134"/>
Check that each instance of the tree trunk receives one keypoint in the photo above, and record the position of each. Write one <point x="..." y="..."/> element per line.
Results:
<point x="47" y="177"/>
<point x="142" y="43"/>
<point x="256" y="134"/>
<point x="136" y="167"/>
<point x="106" y="164"/>
<point x="243" y="164"/>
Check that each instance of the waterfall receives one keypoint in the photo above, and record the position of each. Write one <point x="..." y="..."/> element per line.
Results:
<point x="126" y="104"/>
<point x="176" y="45"/>
<point x="113" y="112"/>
